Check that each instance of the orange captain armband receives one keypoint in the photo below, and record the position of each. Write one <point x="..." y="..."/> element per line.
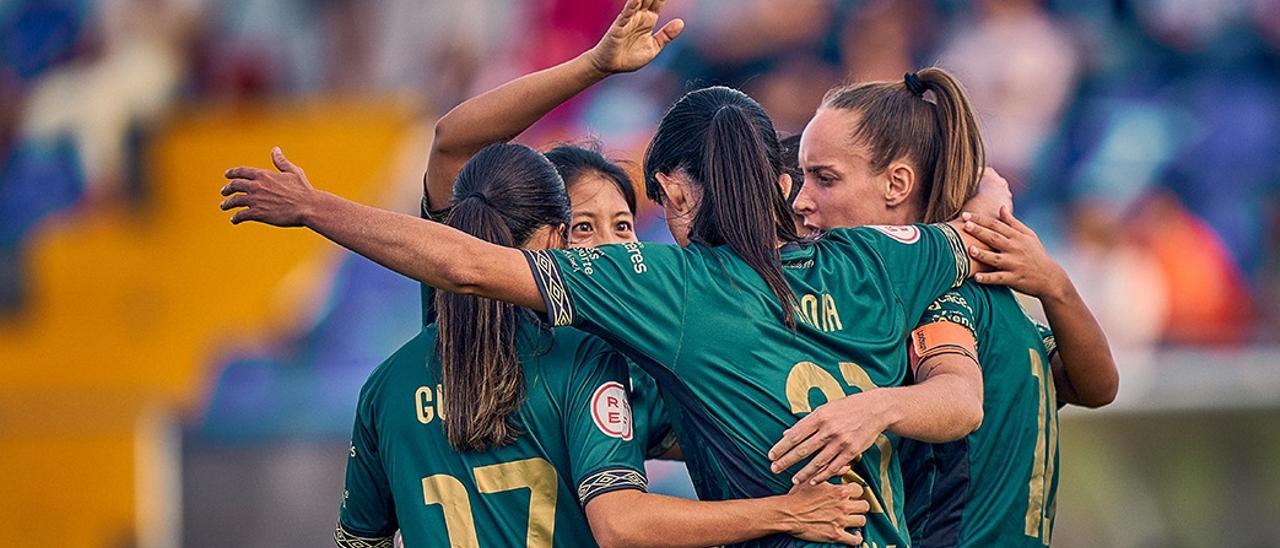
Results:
<point x="938" y="338"/>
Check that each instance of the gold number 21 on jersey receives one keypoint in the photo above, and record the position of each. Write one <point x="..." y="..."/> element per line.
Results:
<point x="807" y="376"/>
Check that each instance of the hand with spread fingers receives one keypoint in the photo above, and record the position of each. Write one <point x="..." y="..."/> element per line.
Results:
<point x="825" y="512"/>
<point x="834" y="435"/>
<point x="1017" y="258"/>
<point x="278" y="198"/>
<point x="993" y="194"/>
<point x="631" y="42"/>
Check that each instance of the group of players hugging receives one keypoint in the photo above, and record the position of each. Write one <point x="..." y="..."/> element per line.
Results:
<point x="833" y="345"/>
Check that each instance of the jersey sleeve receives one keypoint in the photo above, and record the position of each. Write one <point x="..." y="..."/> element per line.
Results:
<point x="1046" y="336"/>
<point x="653" y="425"/>
<point x="367" y="516"/>
<point x="632" y="294"/>
<point x="604" y="453"/>
<point x="951" y="307"/>
<point x="948" y="326"/>
<point x="922" y="261"/>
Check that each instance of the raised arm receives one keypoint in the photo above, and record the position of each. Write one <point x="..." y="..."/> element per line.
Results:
<point x="817" y="513"/>
<point x="431" y="253"/>
<point x="502" y="113"/>
<point x="1083" y="370"/>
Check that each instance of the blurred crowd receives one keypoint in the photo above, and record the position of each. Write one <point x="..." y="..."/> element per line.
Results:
<point x="1140" y="135"/>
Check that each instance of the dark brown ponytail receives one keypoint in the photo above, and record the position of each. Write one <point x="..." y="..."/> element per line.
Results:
<point x="502" y="195"/>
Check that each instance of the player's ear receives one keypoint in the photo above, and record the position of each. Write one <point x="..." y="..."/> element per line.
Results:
<point x="678" y="194"/>
<point x="556" y="239"/>
<point x="901" y="181"/>
<point x="546" y="237"/>
<point x="785" y="182"/>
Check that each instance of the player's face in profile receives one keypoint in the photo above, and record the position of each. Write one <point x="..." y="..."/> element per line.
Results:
<point x="600" y="213"/>
<point x="840" y="187"/>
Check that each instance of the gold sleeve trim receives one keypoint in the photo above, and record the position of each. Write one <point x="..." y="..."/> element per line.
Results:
<point x="551" y="284"/>
<point x="346" y="539"/>
<point x="957" y="250"/>
<point x="605" y="481"/>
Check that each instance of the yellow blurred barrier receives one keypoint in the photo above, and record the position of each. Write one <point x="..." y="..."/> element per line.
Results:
<point x="127" y="306"/>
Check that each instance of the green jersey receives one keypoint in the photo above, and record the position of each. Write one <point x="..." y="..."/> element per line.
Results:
<point x="734" y="375"/>
<point x="652" y="426"/>
<point x="996" y="486"/>
<point x="576" y="443"/>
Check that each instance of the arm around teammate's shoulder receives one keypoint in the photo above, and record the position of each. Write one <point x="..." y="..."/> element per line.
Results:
<point x="944" y="404"/>
<point x="1084" y="370"/>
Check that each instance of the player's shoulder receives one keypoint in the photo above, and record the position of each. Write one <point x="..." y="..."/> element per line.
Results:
<point x="635" y="254"/>
<point x="878" y="234"/>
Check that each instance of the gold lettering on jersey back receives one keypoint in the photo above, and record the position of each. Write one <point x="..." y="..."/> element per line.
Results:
<point x="831" y="316"/>
<point x="820" y="312"/>
<point x="423" y="405"/>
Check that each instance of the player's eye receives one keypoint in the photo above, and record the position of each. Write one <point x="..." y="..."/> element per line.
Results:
<point x="825" y="180"/>
<point x="623" y="226"/>
<point x="583" y="227"/>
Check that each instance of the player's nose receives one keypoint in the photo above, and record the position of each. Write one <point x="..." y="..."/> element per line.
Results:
<point x="804" y="205"/>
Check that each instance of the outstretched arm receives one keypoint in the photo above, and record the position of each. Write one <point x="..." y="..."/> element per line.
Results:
<point x="502" y="113"/>
<point x="1083" y="370"/>
<point x="432" y="253"/>
<point x="818" y="513"/>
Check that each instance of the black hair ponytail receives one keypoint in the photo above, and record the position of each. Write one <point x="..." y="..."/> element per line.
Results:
<point x="726" y="143"/>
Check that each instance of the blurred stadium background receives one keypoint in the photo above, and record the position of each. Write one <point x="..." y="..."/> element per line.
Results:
<point x="168" y="380"/>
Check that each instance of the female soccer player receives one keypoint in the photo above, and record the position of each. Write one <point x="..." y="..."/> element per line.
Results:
<point x="743" y="324"/>
<point x="601" y="195"/>
<point x="884" y="153"/>
<point x="524" y="429"/>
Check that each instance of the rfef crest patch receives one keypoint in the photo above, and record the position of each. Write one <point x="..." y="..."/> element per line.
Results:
<point x="611" y="410"/>
<point x="907" y="234"/>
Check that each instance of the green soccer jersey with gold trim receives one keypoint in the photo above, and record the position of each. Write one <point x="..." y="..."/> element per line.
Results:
<point x="733" y="374"/>
<point x="653" y="427"/>
<point x="996" y="486"/>
<point x="577" y="442"/>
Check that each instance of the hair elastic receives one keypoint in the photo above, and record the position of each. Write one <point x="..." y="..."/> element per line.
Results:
<point x="914" y="84"/>
<point x="477" y="196"/>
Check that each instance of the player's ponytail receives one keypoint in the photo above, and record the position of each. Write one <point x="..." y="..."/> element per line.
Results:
<point x="924" y="119"/>
<point x="961" y="155"/>
<point x="502" y="195"/>
<point x="723" y="140"/>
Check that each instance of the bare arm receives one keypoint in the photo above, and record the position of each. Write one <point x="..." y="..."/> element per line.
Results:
<point x="502" y="113"/>
<point x="944" y="405"/>
<point x="1084" y="370"/>
<point x="432" y="253"/>
<point x="820" y="513"/>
